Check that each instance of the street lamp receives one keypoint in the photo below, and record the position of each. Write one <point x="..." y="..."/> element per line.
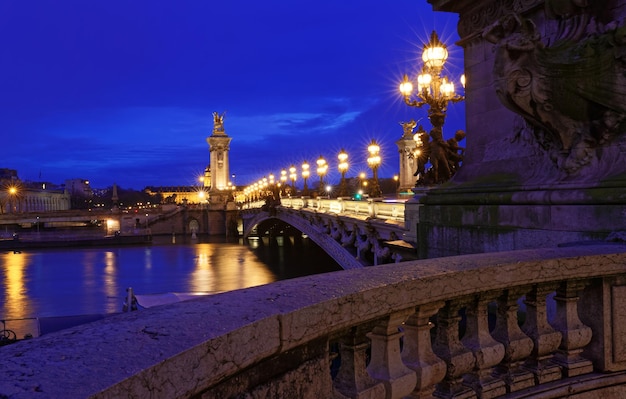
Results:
<point x="343" y="168"/>
<point x="265" y="189"/>
<point x="292" y="176"/>
<point x="437" y="92"/>
<point x="374" y="162"/>
<point x="272" y="186"/>
<point x="12" y="199"/>
<point x="322" y="167"/>
<point x="434" y="90"/>
<point x="305" y="175"/>
<point x="283" y="181"/>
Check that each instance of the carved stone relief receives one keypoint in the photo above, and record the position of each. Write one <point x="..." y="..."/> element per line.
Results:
<point x="570" y="92"/>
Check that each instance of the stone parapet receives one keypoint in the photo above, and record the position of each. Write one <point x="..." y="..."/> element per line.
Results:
<point x="309" y="337"/>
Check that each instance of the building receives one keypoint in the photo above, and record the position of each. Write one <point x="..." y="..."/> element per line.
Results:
<point x="17" y="196"/>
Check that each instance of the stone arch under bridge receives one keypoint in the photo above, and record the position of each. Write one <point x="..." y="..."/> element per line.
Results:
<point x="339" y="236"/>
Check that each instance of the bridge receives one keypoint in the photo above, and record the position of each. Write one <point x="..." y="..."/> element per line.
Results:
<point x="360" y="333"/>
<point x="354" y="233"/>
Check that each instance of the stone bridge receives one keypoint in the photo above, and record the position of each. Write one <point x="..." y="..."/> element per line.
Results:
<point x="353" y="233"/>
<point x="360" y="333"/>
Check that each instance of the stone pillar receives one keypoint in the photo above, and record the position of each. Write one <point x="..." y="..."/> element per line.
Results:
<point x="602" y="307"/>
<point x="408" y="164"/>
<point x="218" y="148"/>
<point x="538" y="148"/>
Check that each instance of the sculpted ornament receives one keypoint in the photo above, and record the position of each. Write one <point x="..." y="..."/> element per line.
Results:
<point x="218" y="122"/>
<point x="573" y="92"/>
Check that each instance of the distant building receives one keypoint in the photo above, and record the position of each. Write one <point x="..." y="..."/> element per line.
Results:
<point x="17" y="196"/>
<point x="8" y="175"/>
<point x="179" y="194"/>
<point x="80" y="192"/>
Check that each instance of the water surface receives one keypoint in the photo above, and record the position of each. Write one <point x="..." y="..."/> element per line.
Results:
<point x="45" y="283"/>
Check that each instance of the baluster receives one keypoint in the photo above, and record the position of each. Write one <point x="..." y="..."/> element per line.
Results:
<point x="459" y="360"/>
<point x="546" y="340"/>
<point x="417" y="351"/>
<point x="518" y="346"/>
<point x="487" y="351"/>
<point x="352" y="380"/>
<point x="386" y="363"/>
<point x="576" y="335"/>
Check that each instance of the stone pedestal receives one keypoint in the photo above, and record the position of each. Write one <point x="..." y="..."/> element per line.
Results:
<point x="460" y="220"/>
<point x="545" y="158"/>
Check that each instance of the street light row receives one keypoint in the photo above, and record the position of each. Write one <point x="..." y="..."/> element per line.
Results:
<point x="270" y="186"/>
<point x="435" y="91"/>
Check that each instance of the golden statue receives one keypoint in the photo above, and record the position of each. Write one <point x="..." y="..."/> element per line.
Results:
<point x="218" y="122"/>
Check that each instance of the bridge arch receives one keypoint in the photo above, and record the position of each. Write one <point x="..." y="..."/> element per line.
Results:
<point x="334" y="249"/>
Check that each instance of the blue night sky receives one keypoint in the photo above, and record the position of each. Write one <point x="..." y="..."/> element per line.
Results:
<point x="123" y="91"/>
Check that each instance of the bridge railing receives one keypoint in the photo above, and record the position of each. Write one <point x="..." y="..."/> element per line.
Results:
<point x="364" y="209"/>
<point x="448" y="327"/>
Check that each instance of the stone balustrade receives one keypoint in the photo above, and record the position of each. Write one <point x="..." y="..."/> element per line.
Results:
<point x="532" y="323"/>
<point x="364" y="209"/>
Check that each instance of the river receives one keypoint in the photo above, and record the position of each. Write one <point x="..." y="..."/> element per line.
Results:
<point x="83" y="281"/>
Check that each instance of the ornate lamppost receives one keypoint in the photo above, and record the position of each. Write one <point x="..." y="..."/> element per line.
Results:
<point x="437" y="92"/>
<point x="273" y="187"/>
<point x="343" y="168"/>
<point x="305" y="175"/>
<point x="322" y="168"/>
<point x="292" y="176"/>
<point x="374" y="162"/>
<point x="266" y="190"/>
<point x="433" y="90"/>
<point x="283" y="181"/>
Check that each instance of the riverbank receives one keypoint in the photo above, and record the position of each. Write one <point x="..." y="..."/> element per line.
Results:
<point x="65" y="240"/>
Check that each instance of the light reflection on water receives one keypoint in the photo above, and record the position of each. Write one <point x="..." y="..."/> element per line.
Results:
<point x="44" y="283"/>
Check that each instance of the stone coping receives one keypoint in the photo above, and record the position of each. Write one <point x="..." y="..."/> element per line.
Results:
<point x="181" y="349"/>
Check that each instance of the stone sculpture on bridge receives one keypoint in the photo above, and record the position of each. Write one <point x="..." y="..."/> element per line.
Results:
<point x="218" y="123"/>
<point x="436" y="160"/>
<point x="571" y="92"/>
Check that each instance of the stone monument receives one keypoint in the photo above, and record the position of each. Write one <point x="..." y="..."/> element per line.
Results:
<point x="221" y="207"/>
<point x="545" y="156"/>
<point x="407" y="149"/>
<point x="218" y="148"/>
